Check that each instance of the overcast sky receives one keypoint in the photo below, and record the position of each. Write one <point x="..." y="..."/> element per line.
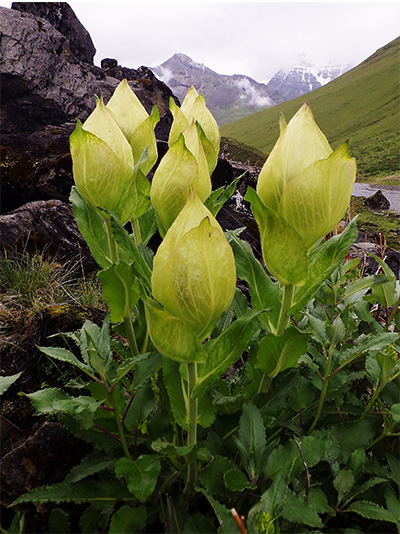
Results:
<point x="251" y="38"/>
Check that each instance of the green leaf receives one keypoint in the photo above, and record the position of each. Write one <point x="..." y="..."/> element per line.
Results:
<point x="59" y="522"/>
<point x="7" y="381"/>
<point x="86" y="491"/>
<point x="172" y="336"/>
<point x="127" y="520"/>
<point x="127" y="243"/>
<point x="276" y="354"/>
<point x="141" y="407"/>
<point x="221" y="195"/>
<point x="148" y="225"/>
<point x="120" y="289"/>
<point x="297" y="510"/>
<point x="93" y="228"/>
<point x="176" y="392"/>
<point x="343" y="482"/>
<point x="367" y="344"/>
<point x="225" y="350"/>
<point x="64" y="355"/>
<point x="145" y="368"/>
<point x="227" y="523"/>
<point x="212" y="476"/>
<point x="277" y="238"/>
<point x="251" y="440"/>
<point x="141" y="476"/>
<point x="395" y="412"/>
<point x="90" y="465"/>
<point x="371" y="510"/>
<point x="236" y="480"/>
<point x="323" y="260"/>
<point x="264" y="292"/>
<point x="386" y="293"/>
<point x="44" y="399"/>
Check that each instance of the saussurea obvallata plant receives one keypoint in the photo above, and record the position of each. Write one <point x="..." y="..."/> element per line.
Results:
<point x="301" y="433"/>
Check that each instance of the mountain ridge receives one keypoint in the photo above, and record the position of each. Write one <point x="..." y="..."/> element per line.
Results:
<point x="231" y="97"/>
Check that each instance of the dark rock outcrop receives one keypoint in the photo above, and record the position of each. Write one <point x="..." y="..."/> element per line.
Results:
<point x="48" y="225"/>
<point x="378" y="201"/>
<point x="62" y="17"/>
<point x="45" y="88"/>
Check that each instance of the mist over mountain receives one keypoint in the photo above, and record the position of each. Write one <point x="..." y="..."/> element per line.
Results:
<point x="228" y="97"/>
<point x="231" y="97"/>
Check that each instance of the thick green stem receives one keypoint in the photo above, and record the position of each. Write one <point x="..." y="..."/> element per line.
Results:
<point x="192" y="417"/>
<point x="284" y="317"/>
<point x="136" y="231"/>
<point x="112" y="243"/>
<point x="324" y="389"/>
<point x="130" y="333"/>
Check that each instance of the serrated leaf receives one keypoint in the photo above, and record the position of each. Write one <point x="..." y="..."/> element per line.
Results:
<point x="59" y="522"/>
<point x="90" y="465"/>
<point x="236" y="480"/>
<point x="7" y="381"/>
<point x="343" y="482"/>
<point x="251" y="440"/>
<point x="81" y="492"/>
<point x="297" y="510"/>
<point x="224" y="351"/>
<point x="175" y="389"/>
<point x="367" y="344"/>
<point x="217" y="198"/>
<point x="264" y="292"/>
<point x="64" y="355"/>
<point x="141" y="475"/>
<point x="226" y="521"/>
<point x="371" y="510"/>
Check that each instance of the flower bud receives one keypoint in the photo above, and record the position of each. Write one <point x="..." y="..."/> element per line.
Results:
<point x="135" y="123"/>
<point x="194" y="109"/>
<point x="182" y="167"/>
<point x="303" y="180"/>
<point x="103" y="164"/>
<point x="194" y="275"/>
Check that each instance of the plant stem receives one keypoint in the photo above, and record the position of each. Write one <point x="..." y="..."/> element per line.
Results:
<point x="136" y="231"/>
<point x="120" y="428"/>
<point x="284" y="317"/>
<point x="324" y="389"/>
<point x="111" y="242"/>
<point x="192" y="416"/>
<point x="372" y="400"/>
<point x="130" y="333"/>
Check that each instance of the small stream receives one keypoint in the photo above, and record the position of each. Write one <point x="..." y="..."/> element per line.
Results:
<point x="392" y="193"/>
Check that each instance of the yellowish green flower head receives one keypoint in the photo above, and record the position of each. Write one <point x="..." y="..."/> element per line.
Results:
<point x="103" y="163"/>
<point x="303" y="180"/>
<point x="194" y="274"/>
<point x="184" y="166"/>
<point x="194" y="109"/>
<point x="136" y="124"/>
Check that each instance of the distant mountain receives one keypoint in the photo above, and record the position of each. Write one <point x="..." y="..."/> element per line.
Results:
<point x="303" y="78"/>
<point x="361" y="106"/>
<point x="232" y="97"/>
<point x="228" y="97"/>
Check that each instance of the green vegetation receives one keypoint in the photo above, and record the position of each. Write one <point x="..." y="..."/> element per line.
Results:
<point x="237" y="151"/>
<point x="361" y="106"/>
<point x="374" y="223"/>
<point x="31" y="282"/>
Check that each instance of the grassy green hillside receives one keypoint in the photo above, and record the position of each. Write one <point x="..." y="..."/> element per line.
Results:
<point x="362" y="106"/>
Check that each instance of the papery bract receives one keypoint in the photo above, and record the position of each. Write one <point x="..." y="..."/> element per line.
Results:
<point x="194" y="109"/>
<point x="194" y="275"/>
<point x="136" y="124"/>
<point x="307" y="183"/>
<point x="103" y="164"/>
<point x="180" y="169"/>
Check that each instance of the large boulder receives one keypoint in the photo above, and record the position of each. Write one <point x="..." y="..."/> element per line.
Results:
<point x="62" y="17"/>
<point x="45" y="88"/>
